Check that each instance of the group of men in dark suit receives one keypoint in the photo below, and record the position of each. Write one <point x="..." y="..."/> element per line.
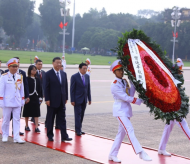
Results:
<point x="56" y="96"/>
<point x="55" y="90"/>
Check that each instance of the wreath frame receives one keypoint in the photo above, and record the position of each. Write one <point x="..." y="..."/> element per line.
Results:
<point x="174" y="69"/>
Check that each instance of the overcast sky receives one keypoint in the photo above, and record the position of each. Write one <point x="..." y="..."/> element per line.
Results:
<point x="123" y="6"/>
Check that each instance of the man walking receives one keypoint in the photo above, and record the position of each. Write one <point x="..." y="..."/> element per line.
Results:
<point x="56" y="96"/>
<point x="122" y="110"/>
<point x="168" y="128"/>
<point x="80" y="94"/>
<point x="11" y="100"/>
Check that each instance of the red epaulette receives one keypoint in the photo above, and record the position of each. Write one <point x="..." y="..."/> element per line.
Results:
<point x="115" y="82"/>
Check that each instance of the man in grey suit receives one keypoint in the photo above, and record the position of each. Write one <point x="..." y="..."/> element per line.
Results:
<point x="80" y="94"/>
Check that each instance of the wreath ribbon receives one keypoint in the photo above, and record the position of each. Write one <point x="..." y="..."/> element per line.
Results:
<point x="137" y="63"/>
<point x="134" y="51"/>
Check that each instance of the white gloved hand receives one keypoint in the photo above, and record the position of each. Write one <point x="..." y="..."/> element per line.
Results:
<point x="138" y="101"/>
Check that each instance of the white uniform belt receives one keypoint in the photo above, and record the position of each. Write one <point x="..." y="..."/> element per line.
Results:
<point x="119" y="101"/>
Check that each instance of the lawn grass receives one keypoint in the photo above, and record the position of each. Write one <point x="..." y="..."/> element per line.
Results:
<point x="47" y="57"/>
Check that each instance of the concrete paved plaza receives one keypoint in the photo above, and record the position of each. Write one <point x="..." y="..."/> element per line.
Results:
<point x="98" y="120"/>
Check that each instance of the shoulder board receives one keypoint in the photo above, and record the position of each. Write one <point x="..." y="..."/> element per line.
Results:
<point x="115" y="82"/>
<point x="4" y="74"/>
<point x="19" y="74"/>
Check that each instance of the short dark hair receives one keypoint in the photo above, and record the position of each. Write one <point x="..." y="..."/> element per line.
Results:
<point x="56" y="58"/>
<point x="82" y="64"/>
<point x="38" y="61"/>
<point x="61" y="65"/>
<point x="30" y="69"/>
<point x="17" y="58"/>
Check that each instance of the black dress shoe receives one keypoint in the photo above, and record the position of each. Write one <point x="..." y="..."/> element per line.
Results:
<point x="82" y="132"/>
<point x="37" y="130"/>
<point x="50" y="139"/>
<point x="21" y="134"/>
<point x="57" y="127"/>
<point x="27" y="128"/>
<point x="67" y="139"/>
<point x="78" y="134"/>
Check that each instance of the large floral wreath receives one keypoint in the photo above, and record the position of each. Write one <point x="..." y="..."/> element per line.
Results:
<point x="165" y="100"/>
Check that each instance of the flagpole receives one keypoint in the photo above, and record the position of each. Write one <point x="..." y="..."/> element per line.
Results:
<point x="73" y="32"/>
<point x="64" y="29"/>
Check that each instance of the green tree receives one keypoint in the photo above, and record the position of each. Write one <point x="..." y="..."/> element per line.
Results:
<point x="34" y="31"/>
<point x="51" y="18"/>
<point x="17" y="16"/>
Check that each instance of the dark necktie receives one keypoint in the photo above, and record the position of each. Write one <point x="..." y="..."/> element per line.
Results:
<point x="14" y="77"/>
<point x="58" y="77"/>
<point x="122" y="81"/>
<point x="83" y="80"/>
<point x="40" y="74"/>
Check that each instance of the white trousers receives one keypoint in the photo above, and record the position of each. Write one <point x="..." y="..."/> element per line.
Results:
<point x="167" y="130"/>
<point x="6" y="121"/>
<point x="125" y="127"/>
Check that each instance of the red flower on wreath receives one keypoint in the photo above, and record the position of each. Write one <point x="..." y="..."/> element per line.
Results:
<point x="161" y="90"/>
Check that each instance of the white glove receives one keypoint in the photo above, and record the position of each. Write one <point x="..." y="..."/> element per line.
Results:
<point x="138" y="101"/>
<point x="22" y="102"/>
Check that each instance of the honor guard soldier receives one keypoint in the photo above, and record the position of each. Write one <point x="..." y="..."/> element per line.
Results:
<point x="88" y="62"/>
<point x="122" y="110"/>
<point x="1" y="71"/>
<point x="64" y="64"/>
<point x="35" y="58"/>
<point x="11" y="100"/>
<point x="168" y="128"/>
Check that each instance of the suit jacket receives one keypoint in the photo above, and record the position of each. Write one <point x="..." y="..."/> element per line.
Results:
<point x="26" y="88"/>
<point x="42" y="80"/>
<point x="78" y="91"/>
<point x="31" y="85"/>
<point x="54" y="91"/>
<point x="1" y="71"/>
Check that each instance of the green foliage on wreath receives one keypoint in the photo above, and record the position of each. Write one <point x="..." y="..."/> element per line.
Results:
<point x="158" y="114"/>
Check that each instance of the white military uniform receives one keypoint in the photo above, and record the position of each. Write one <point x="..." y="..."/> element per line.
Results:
<point x="64" y="64"/>
<point x="88" y="72"/>
<point x="122" y="111"/>
<point x="36" y="58"/>
<point x="11" y="100"/>
<point x="167" y="130"/>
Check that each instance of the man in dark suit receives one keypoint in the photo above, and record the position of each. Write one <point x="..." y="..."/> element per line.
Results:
<point x="41" y="75"/>
<point x="25" y="82"/>
<point x="1" y="71"/>
<point x="56" y="96"/>
<point x="80" y="92"/>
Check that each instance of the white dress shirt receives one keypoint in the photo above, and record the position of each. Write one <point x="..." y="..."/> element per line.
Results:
<point x="58" y="73"/>
<point x="81" y="76"/>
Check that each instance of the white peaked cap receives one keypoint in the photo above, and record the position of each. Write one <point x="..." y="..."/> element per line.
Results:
<point x="36" y="57"/>
<point x="116" y="65"/>
<point x="179" y="62"/>
<point x="12" y="61"/>
<point x="88" y="60"/>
